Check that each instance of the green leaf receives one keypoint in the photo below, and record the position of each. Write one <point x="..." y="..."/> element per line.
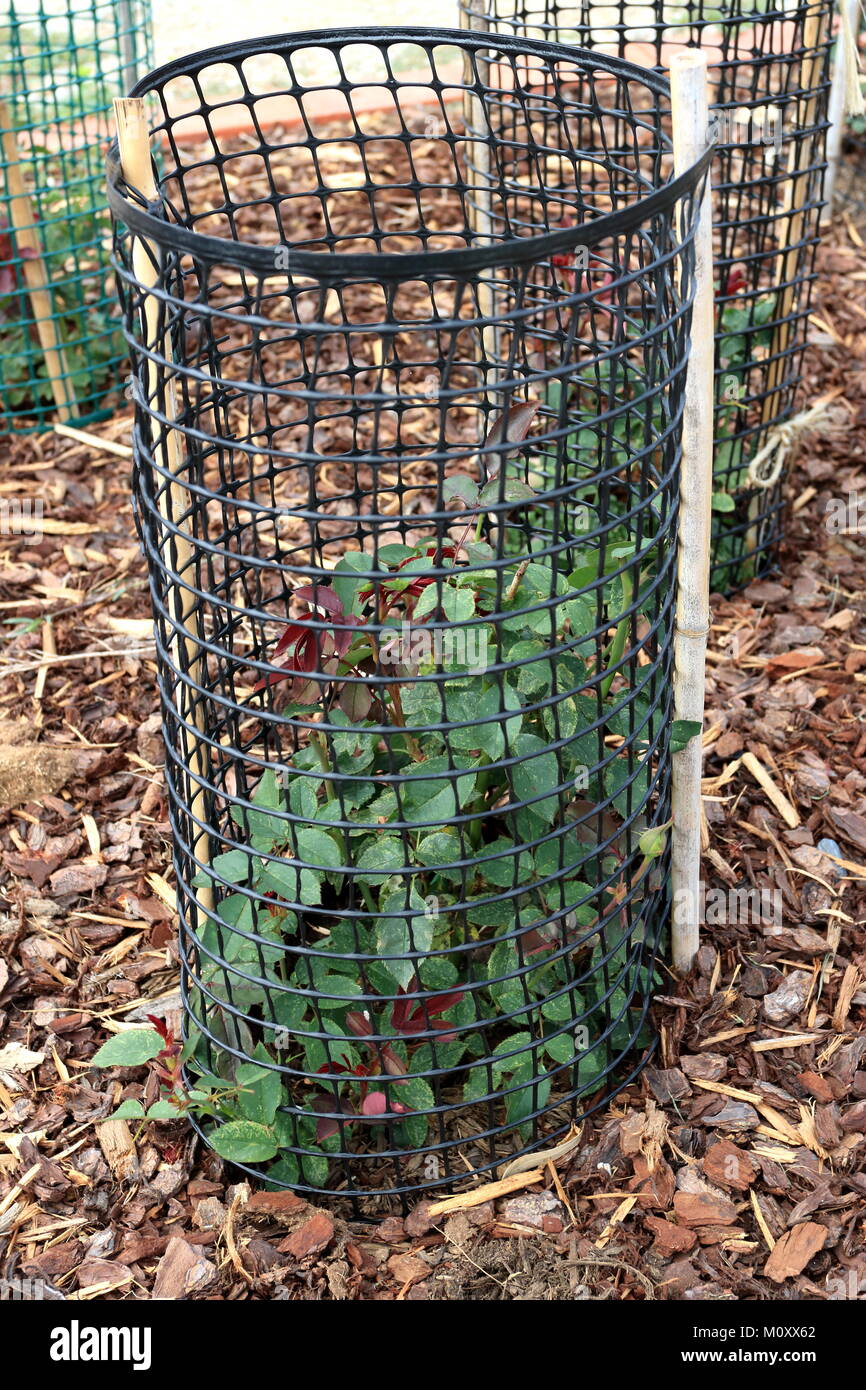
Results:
<point x="163" y="1110"/>
<point x="126" y="1110"/>
<point x="484" y="708"/>
<point x="380" y="857"/>
<point x="682" y="733"/>
<point x="318" y="849"/>
<point x="518" y="1043"/>
<point x="561" y="1048"/>
<point x="429" y="799"/>
<point x="233" y="866"/>
<point x="437" y="972"/>
<point x="285" y="1172"/>
<point x="563" y="855"/>
<point x="262" y="1089"/>
<point x="507" y="871"/>
<point x="243" y="1141"/>
<point x="507" y="994"/>
<point x="290" y="882"/>
<point x="522" y="1103"/>
<point x="723" y="502"/>
<point x="395" y="554"/>
<point x="535" y="774"/>
<point x="345" y="580"/>
<point x="479" y="553"/>
<point x="131" y="1048"/>
<point x="476" y="1085"/>
<point x="513" y="490"/>
<point x="343" y="986"/>
<point x="581" y="615"/>
<point x="396" y="936"/>
<point x="563" y="1007"/>
<point x="438" y="851"/>
<point x="535" y="675"/>
<point x="414" y="1092"/>
<point x="314" y="1169"/>
<point x="498" y="915"/>
<point x="462" y="486"/>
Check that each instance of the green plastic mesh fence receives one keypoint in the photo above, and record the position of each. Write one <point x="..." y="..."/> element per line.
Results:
<point x="61" y="64"/>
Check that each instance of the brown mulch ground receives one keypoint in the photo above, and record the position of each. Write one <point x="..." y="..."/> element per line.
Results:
<point x="734" y="1169"/>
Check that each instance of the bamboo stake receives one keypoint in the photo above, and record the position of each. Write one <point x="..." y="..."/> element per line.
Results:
<point x="846" y="76"/>
<point x="126" y="27"/>
<point x="27" y="240"/>
<point x="480" y="208"/>
<point x="791" y="225"/>
<point x="134" y="141"/>
<point x="690" y="120"/>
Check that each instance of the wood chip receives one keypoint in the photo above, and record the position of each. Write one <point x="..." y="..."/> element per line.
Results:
<point x="761" y="1220"/>
<point x="772" y="792"/>
<point x="794" y="1250"/>
<point x="117" y="1144"/>
<point x="769" y="1112"/>
<point x="487" y="1193"/>
<point x="777" y="1044"/>
<point x="619" y="1215"/>
<point x="847" y="989"/>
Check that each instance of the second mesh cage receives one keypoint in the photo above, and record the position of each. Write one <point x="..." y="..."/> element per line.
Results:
<point x="409" y="496"/>
<point x="769" y="67"/>
<point x="61" y="64"/>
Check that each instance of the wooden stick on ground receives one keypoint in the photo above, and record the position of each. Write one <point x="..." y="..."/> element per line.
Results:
<point x="690" y="113"/>
<point x="94" y="441"/>
<point x="29" y="247"/>
<point x="773" y="793"/>
<point x="487" y="1193"/>
<point x="134" y="142"/>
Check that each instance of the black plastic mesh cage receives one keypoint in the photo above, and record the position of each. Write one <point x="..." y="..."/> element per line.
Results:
<point x="409" y="500"/>
<point x="769" y="68"/>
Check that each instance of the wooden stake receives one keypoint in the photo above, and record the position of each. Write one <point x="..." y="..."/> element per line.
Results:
<point x="36" y="279"/>
<point x="134" y="141"/>
<point x="790" y="227"/>
<point x="690" y="119"/>
<point x="843" y="77"/>
<point x="479" y="207"/>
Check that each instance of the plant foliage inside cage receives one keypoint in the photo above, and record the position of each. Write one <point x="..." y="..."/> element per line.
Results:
<point x="409" y="498"/>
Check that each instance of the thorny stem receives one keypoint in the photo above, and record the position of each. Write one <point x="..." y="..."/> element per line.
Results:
<point x="321" y="745"/>
<point x="478" y="807"/>
<point x="515" y="583"/>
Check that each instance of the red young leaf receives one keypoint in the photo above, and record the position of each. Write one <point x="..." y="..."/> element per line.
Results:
<point x="317" y="596"/>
